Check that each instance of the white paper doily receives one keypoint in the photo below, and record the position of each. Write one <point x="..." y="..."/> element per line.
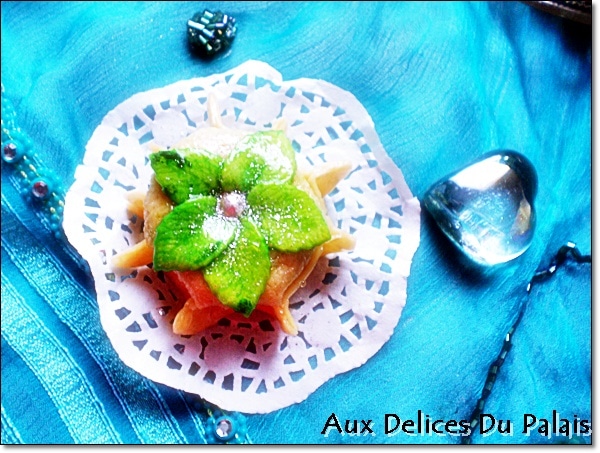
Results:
<point x="350" y="304"/>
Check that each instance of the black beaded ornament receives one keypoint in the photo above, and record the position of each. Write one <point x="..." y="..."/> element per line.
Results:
<point x="210" y="33"/>
<point x="569" y="250"/>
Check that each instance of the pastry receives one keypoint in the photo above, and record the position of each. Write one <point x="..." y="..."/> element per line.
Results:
<point x="234" y="223"/>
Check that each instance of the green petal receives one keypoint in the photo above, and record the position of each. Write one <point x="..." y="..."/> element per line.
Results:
<point x="288" y="217"/>
<point x="184" y="173"/>
<point x="192" y="235"/>
<point x="238" y="276"/>
<point x="265" y="157"/>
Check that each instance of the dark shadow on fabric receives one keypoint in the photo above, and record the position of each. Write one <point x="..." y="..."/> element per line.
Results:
<point x="576" y="34"/>
<point x="175" y="400"/>
<point x="578" y="37"/>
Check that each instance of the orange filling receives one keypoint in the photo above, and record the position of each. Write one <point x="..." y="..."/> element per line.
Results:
<point x="202" y="309"/>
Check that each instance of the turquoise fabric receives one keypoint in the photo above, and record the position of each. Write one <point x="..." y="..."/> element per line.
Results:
<point x="444" y="82"/>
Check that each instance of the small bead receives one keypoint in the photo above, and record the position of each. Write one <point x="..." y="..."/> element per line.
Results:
<point x="224" y="428"/>
<point x="11" y="152"/>
<point x="40" y="189"/>
<point x="232" y="204"/>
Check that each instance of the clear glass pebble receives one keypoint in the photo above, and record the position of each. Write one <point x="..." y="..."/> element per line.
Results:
<point x="487" y="208"/>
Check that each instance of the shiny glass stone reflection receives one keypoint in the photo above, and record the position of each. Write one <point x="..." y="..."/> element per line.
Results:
<point x="12" y="151"/>
<point x="487" y="207"/>
<point x="224" y="428"/>
<point x="40" y="189"/>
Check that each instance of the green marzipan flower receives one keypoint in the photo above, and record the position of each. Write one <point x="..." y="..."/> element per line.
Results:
<point x="231" y="212"/>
